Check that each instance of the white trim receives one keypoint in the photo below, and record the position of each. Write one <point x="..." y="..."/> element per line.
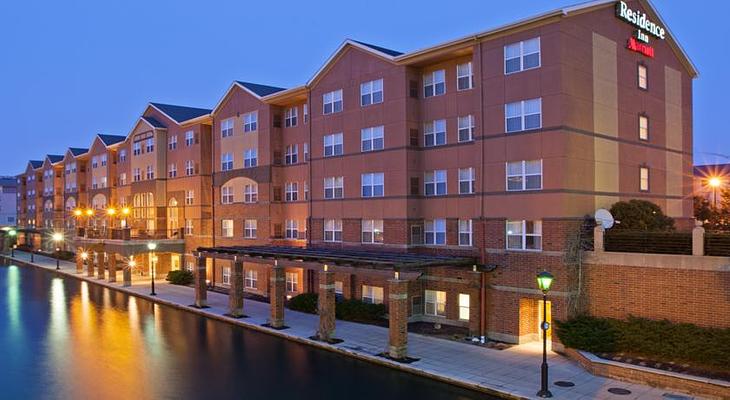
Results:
<point x="333" y="57"/>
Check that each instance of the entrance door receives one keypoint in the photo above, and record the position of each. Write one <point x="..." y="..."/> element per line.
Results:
<point x="175" y="262"/>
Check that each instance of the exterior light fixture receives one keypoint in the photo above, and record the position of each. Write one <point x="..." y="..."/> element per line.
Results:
<point x="126" y="211"/>
<point x="714" y="182"/>
<point x="151" y="246"/>
<point x="544" y="282"/>
<point x="89" y="212"/>
<point x="84" y="255"/>
<point x="57" y="238"/>
<point x="78" y="212"/>
<point x="111" y="211"/>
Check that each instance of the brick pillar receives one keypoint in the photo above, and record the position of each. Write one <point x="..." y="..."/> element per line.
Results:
<point x="276" y="296"/>
<point x="201" y="289"/>
<point x="598" y="242"/>
<point x="100" y="266"/>
<point x="90" y="265"/>
<point x="326" y="305"/>
<point x="79" y="261"/>
<point x="112" y="267"/>
<point x="127" y="274"/>
<point x="235" y="293"/>
<point x="398" y="322"/>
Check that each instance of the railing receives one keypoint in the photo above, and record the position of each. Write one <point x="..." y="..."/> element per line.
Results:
<point x="649" y="242"/>
<point x="129" y="233"/>
<point x="717" y="244"/>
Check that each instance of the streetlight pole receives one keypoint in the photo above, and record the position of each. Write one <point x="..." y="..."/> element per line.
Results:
<point x="151" y="246"/>
<point x="58" y="238"/>
<point x="544" y="281"/>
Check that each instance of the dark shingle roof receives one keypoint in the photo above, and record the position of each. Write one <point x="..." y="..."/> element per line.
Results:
<point x="111" y="139"/>
<point x="389" y="52"/>
<point x="54" y="158"/>
<point x="181" y="113"/>
<point x="701" y="171"/>
<point x="261" y="90"/>
<point x="75" y="151"/>
<point x="154" y="122"/>
<point x="36" y="164"/>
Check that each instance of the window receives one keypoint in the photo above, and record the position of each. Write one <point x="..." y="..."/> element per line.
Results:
<point x="292" y="282"/>
<point x="227" y="162"/>
<point x="435" y="231"/>
<point x="136" y="175"/>
<point x="149" y="145"/>
<point x="189" y="138"/>
<point x="338" y="288"/>
<point x="290" y="117"/>
<point x="305" y="149"/>
<point x="465" y="232"/>
<point x="150" y="173"/>
<point x="189" y="197"/>
<point x="333" y="187"/>
<point x="524" y="235"/>
<point x="249" y="228"/>
<point x="522" y="56"/>
<point x="227" y="127"/>
<point x="644" y="179"/>
<point x="333" y="145"/>
<point x="227" y="195"/>
<point x="250" y="193"/>
<point x="94" y="184"/>
<point x="103" y="164"/>
<point x="122" y="179"/>
<point x="250" y="121"/>
<point x="464" y="76"/>
<point x="372" y="184"/>
<point x="251" y="277"/>
<point x="434" y="83"/>
<point x="172" y="171"/>
<point x="642" y="77"/>
<point x="172" y="142"/>
<point x="372" y="231"/>
<point x="332" y="102"/>
<point x="435" y="183"/>
<point x="189" y="227"/>
<point x="291" y="155"/>
<point x="466" y="180"/>
<point x="305" y="111"/>
<point x="466" y="128"/>
<point x="372" y="138"/>
<point x="227" y="228"/>
<point x="291" y="191"/>
<point x="306" y="191"/>
<point x="122" y="158"/>
<point x="94" y="162"/>
<point x="136" y="149"/>
<point x="523" y="115"/>
<point x="189" y="167"/>
<point x="226" y="275"/>
<point x="250" y="158"/>
<point x="643" y="127"/>
<point x="435" y="303"/>
<point x="292" y="229"/>
<point x="372" y="294"/>
<point x="434" y="133"/>
<point x="333" y="230"/>
<point x="371" y="92"/>
<point x="464" y="301"/>
<point x="524" y="175"/>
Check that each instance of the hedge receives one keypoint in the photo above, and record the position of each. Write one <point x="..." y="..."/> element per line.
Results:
<point x="663" y="341"/>
<point x="180" y="277"/>
<point x="305" y="302"/>
<point x="348" y="310"/>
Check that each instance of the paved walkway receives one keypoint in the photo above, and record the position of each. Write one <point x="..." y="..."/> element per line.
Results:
<point x="514" y="371"/>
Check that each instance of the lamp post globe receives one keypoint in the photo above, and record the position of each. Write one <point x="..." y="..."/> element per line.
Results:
<point x="152" y="246"/>
<point x="57" y="239"/>
<point x="544" y="282"/>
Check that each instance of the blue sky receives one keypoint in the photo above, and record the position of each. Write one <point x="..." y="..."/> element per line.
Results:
<point x="71" y="69"/>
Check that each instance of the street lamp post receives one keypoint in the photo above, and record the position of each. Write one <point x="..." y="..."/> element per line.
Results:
<point x="544" y="281"/>
<point x="57" y="239"/>
<point x="151" y="246"/>
<point x="714" y="184"/>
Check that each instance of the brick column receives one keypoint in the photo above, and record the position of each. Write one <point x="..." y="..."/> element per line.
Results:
<point x="598" y="240"/>
<point x="326" y="305"/>
<point x="276" y="296"/>
<point x="90" y="265"/>
<point x="201" y="288"/>
<point x="698" y="239"/>
<point x="112" y="267"/>
<point x="398" y="322"/>
<point x="100" y="266"/>
<point x="79" y="261"/>
<point x="235" y="293"/>
<point x="127" y="274"/>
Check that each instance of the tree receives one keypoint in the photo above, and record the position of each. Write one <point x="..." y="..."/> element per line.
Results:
<point x="703" y="210"/>
<point x="640" y="215"/>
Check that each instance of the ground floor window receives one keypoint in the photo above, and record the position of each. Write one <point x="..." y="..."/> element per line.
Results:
<point x="189" y="265"/>
<point x="417" y="305"/>
<point x="436" y="303"/>
<point x="524" y="235"/>
<point x="372" y="294"/>
<point x="226" y="275"/>
<point x="251" y="278"/>
<point x="338" y="287"/>
<point x="292" y="282"/>
<point x="463" y="307"/>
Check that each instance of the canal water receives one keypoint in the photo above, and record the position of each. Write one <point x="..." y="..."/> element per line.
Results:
<point x="61" y="338"/>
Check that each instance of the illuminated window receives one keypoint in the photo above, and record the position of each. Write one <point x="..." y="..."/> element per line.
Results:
<point x="642" y="77"/>
<point x="644" y="179"/>
<point x="524" y="235"/>
<point x="643" y="127"/>
<point x="435" y="303"/>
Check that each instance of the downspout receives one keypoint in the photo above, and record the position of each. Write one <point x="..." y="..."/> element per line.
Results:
<point x="309" y="166"/>
<point x="212" y="190"/>
<point x="482" y="249"/>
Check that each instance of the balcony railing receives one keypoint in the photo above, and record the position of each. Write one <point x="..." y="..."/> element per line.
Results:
<point x="129" y="233"/>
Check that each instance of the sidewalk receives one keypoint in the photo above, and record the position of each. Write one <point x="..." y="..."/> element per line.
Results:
<point x="512" y="372"/>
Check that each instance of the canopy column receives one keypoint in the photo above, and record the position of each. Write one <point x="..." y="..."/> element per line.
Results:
<point x="326" y="305"/>
<point x="201" y="289"/>
<point x="112" y="267"/>
<point x="100" y="265"/>
<point x="90" y="264"/>
<point x="277" y="294"/>
<point x="80" y="260"/>
<point x="398" y="322"/>
<point x="235" y="294"/>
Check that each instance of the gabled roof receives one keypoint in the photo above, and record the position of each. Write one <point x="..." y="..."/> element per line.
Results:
<point x="35" y="164"/>
<point x="77" y="151"/>
<point x="260" y="90"/>
<point x="54" y="158"/>
<point x="110" y="140"/>
<point x="153" y="122"/>
<point x="180" y="114"/>
<point x="389" y="52"/>
<point x="381" y="52"/>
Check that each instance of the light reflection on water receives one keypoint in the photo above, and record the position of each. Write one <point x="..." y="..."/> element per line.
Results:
<point x="66" y="339"/>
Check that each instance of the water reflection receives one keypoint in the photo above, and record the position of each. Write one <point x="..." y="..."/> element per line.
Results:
<point x="13" y="301"/>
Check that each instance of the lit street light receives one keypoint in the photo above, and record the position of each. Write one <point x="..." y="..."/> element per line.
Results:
<point x="544" y="281"/>
<point x="151" y="246"/>
<point x="57" y="239"/>
<point x="714" y="183"/>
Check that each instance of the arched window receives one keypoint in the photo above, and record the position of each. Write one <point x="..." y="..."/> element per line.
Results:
<point x="173" y="219"/>
<point x="143" y="206"/>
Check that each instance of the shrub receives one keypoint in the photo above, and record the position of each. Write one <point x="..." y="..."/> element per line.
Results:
<point x="640" y="215"/>
<point x="588" y="333"/>
<point x="305" y="302"/>
<point x="180" y="277"/>
<point x="356" y="310"/>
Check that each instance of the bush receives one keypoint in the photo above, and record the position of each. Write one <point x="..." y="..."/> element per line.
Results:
<point x="356" y="310"/>
<point x="180" y="277"/>
<point x="640" y="215"/>
<point x="588" y="333"/>
<point x="305" y="302"/>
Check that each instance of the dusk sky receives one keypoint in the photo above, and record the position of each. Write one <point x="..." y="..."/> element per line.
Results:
<point x="71" y="69"/>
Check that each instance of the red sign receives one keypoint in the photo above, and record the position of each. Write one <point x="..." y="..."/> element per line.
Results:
<point x="639" y="47"/>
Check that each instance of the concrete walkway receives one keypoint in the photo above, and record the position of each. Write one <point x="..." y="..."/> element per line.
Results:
<point x="514" y="372"/>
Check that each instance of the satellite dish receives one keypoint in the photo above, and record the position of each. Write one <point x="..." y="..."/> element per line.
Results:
<point x="604" y="218"/>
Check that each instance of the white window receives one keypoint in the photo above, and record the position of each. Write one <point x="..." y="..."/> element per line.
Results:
<point x="172" y="170"/>
<point x="172" y="142"/>
<point x="524" y="175"/>
<point x="122" y="158"/>
<point x="227" y="127"/>
<point x="103" y="163"/>
<point x="226" y="161"/>
<point x="435" y="303"/>
<point x="122" y="179"/>
<point x="434" y="133"/>
<point x="136" y="175"/>
<point x="643" y="127"/>
<point x="249" y="228"/>
<point x="372" y="231"/>
<point x="189" y="266"/>
<point x="305" y="150"/>
<point x="435" y="231"/>
<point x="250" y="158"/>
<point x="466" y="128"/>
<point x="290" y="117"/>
<point x="464" y="76"/>
<point x="305" y="111"/>
<point x="642" y="76"/>
<point x="464" y="304"/>
<point x="372" y="294"/>
<point x="189" y="167"/>
<point x="644" y="179"/>
<point x="291" y="191"/>
<point x="306" y="191"/>
<point x="524" y="235"/>
<point x="189" y="138"/>
<point x="136" y="149"/>
<point x="291" y="229"/>
<point x="292" y="282"/>
<point x="94" y="184"/>
<point x="372" y="138"/>
<point x="338" y="288"/>
<point x="189" y="197"/>
<point x="334" y="187"/>
<point x="333" y="145"/>
<point x="372" y="184"/>
<point x="435" y="183"/>
<point x="291" y="155"/>
<point x="227" y="195"/>
<point x="227" y="228"/>
<point x="522" y="56"/>
<point x="465" y="232"/>
<point x="250" y="121"/>
<point x="434" y="83"/>
<point x="333" y="230"/>
<point x="371" y="92"/>
<point x="523" y="115"/>
<point x="150" y="145"/>
<point x="94" y="162"/>
<point x="250" y="193"/>
<point x="332" y="102"/>
<point x="150" y="173"/>
<point x="226" y="275"/>
<point x="189" y="227"/>
<point x="466" y="180"/>
<point x="251" y="278"/>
